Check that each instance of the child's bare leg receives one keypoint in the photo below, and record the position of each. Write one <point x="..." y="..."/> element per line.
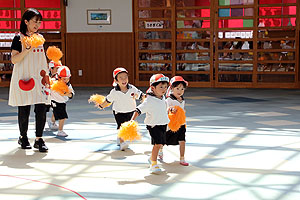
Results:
<point x="154" y="168"/>
<point x="53" y="118"/>
<point x="182" y="149"/>
<point x="121" y="140"/>
<point x="61" y="124"/>
<point x="155" y="150"/>
<point x="160" y="153"/>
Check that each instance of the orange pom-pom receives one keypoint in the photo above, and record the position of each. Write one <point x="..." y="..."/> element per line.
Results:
<point x="177" y="119"/>
<point x="129" y="131"/>
<point x="98" y="99"/>
<point x="60" y="87"/>
<point x="34" y="40"/>
<point x="54" y="53"/>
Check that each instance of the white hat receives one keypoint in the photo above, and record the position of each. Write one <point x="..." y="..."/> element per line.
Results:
<point x="158" y="78"/>
<point x="64" y="71"/>
<point x="52" y="64"/>
<point x="155" y="79"/>
<point x="118" y="70"/>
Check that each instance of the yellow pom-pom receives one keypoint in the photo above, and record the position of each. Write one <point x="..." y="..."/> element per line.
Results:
<point x="34" y="40"/>
<point x="129" y="131"/>
<point x="98" y="99"/>
<point x="60" y="87"/>
<point x="177" y="119"/>
<point x="54" y="53"/>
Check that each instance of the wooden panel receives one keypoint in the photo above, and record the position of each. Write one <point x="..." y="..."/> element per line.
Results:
<point x="97" y="55"/>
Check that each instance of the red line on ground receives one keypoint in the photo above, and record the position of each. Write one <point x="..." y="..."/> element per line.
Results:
<point x="45" y="183"/>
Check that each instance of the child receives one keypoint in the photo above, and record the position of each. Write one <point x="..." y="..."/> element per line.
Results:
<point x="58" y="101"/>
<point x="175" y="98"/>
<point x="30" y="80"/>
<point x="156" y="119"/>
<point x="123" y="97"/>
<point x="53" y="67"/>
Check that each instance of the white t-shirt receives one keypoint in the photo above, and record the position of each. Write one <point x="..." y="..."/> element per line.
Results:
<point x="55" y="96"/>
<point x="124" y="102"/>
<point x="155" y="109"/>
<point x="172" y="101"/>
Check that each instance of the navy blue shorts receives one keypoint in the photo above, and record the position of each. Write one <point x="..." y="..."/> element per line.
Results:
<point x="59" y="110"/>
<point x="158" y="134"/>
<point x="173" y="138"/>
<point x="122" y="117"/>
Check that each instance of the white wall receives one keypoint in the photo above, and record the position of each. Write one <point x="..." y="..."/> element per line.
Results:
<point x="121" y="15"/>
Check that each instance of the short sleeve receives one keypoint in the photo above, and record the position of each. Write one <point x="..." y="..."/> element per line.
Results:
<point x="169" y="102"/>
<point x="143" y="107"/>
<point x="138" y="92"/>
<point x="16" y="44"/>
<point x="111" y="96"/>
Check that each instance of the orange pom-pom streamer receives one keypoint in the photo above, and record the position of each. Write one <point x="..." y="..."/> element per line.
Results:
<point x="129" y="131"/>
<point x="98" y="99"/>
<point x="177" y="119"/>
<point x="54" y="53"/>
<point x="34" y="40"/>
<point x="60" y="87"/>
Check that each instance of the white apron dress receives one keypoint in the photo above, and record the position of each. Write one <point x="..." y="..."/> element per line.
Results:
<point x="29" y="79"/>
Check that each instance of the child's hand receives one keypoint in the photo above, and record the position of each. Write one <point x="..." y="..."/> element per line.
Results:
<point x="99" y="106"/>
<point x="172" y="109"/>
<point x="68" y="94"/>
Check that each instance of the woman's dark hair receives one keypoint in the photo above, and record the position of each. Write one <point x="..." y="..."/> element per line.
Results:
<point x="175" y="84"/>
<point x="28" y="15"/>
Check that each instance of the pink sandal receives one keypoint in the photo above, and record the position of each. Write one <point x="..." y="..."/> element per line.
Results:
<point x="182" y="162"/>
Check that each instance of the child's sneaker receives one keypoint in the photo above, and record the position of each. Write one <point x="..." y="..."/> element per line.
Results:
<point x="123" y="146"/>
<point x="149" y="160"/>
<point x="155" y="169"/>
<point x="52" y="125"/>
<point x="182" y="162"/>
<point x="118" y="141"/>
<point x="161" y="155"/>
<point x="62" y="133"/>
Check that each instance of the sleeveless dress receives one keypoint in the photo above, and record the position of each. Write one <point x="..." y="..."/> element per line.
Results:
<point x="30" y="79"/>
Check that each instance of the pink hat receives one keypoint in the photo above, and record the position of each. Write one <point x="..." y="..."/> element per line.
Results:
<point x="173" y="80"/>
<point x="178" y="79"/>
<point x="64" y="71"/>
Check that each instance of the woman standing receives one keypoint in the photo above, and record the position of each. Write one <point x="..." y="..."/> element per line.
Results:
<point x="30" y="80"/>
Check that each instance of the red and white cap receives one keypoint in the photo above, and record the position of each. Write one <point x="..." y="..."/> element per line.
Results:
<point x="118" y="71"/>
<point x="178" y="79"/>
<point x="64" y="71"/>
<point x="158" y="78"/>
<point x="52" y="64"/>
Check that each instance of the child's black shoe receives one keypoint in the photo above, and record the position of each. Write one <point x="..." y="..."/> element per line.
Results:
<point x="23" y="141"/>
<point x="40" y="144"/>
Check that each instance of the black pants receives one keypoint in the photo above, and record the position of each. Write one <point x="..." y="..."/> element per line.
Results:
<point x="122" y="117"/>
<point x="40" y="119"/>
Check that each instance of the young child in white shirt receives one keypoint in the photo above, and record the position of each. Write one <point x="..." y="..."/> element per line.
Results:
<point x="123" y="98"/>
<point x="175" y="98"/>
<point x="58" y="102"/>
<point x="156" y="119"/>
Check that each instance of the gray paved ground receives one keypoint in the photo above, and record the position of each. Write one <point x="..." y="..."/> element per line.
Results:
<point x="241" y="143"/>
